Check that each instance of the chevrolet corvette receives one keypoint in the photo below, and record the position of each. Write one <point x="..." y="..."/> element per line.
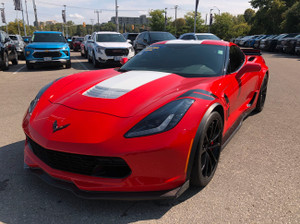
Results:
<point x="149" y="129"/>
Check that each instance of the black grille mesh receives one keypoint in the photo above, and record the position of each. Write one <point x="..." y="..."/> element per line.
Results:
<point x="52" y="54"/>
<point x="117" y="52"/>
<point x="109" y="167"/>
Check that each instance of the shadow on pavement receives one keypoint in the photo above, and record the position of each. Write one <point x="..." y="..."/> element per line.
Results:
<point x="27" y="199"/>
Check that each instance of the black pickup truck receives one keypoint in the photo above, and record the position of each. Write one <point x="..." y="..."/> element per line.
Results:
<point x="8" y="51"/>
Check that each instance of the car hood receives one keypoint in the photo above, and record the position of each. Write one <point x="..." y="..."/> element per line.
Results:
<point x="114" y="44"/>
<point x="47" y="45"/>
<point x="120" y="94"/>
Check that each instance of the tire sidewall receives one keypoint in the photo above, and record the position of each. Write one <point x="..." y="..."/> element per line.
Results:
<point x="197" y="178"/>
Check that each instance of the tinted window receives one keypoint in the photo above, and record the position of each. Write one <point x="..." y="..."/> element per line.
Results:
<point x="48" y="37"/>
<point x="156" y="37"/>
<point x="189" y="60"/>
<point x="13" y="37"/>
<point x="189" y="37"/>
<point x="110" y="38"/>
<point x="79" y="39"/>
<point x="141" y="36"/>
<point x="207" y="37"/>
<point x="237" y="59"/>
<point x="131" y="37"/>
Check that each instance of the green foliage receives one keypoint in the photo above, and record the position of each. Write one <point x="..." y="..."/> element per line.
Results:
<point x="157" y="20"/>
<point x="291" y="22"/>
<point x="249" y="15"/>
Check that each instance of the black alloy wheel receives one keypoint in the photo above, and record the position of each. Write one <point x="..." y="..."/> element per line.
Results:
<point x="209" y="150"/>
<point x="262" y="95"/>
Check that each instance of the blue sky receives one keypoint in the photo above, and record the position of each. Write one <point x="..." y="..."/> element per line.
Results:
<point x="83" y="10"/>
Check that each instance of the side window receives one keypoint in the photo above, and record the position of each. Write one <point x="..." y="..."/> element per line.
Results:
<point x="146" y="37"/>
<point x="236" y="59"/>
<point x="141" y="37"/>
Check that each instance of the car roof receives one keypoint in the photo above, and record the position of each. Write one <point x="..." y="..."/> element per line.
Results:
<point x="47" y="32"/>
<point x="106" y="32"/>
<point x="198" y="34"/>
<point x="192" y="42"/>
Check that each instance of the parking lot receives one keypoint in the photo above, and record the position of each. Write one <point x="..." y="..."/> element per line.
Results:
<point x="257" y="181"/>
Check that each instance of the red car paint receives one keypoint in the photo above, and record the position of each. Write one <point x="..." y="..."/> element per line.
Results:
<point x="97" y="126"/>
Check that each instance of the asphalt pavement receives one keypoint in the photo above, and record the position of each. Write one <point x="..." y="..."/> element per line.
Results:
<point x="257" y="180"/>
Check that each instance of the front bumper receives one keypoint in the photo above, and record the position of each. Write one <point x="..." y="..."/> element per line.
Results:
<point x="53" y="61"/>
<point x="98" y="195"/>
<point x="103" y="58"/>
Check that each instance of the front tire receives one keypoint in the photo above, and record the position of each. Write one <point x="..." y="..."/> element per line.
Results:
<point x="29" y="66"/>
<point x="68" y="65"/>
<point x="95" y="62"/>
<point x="208" y="152"/>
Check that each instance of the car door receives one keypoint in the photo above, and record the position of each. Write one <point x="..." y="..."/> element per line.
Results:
<point x="139" y="42"/>
<point x="9" y="46"/>
<point x="243" y="84"/>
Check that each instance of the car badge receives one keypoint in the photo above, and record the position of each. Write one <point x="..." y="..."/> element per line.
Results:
<point x="56" y="128"/>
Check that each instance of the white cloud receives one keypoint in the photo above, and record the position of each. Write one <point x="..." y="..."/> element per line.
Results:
<point x="76" y="16"/>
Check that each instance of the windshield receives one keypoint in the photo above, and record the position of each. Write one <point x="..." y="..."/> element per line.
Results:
<point x="110" y="38"/>
<point x="48" y="37"/>
<point x="13" y="37"/>
<point x="156" y="37"/>
<point x="79" y="39"/>
<point x="207" y="37"/>
<point x="188" y="60"/>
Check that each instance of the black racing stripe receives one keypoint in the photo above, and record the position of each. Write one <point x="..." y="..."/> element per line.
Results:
<point x="205" y="92"/>
<point x="198" y="93"/>
<point x="200" y="96"/>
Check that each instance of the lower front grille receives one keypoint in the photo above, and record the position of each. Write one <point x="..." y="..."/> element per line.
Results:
<point x="108" y="167"/>
<point x="117" y="52"/>
<point x="52" y="54"/>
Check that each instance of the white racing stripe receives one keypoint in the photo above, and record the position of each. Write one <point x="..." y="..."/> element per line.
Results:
<point x="119" y="85"/>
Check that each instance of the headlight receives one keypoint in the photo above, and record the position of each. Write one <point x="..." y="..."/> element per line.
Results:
<point x="131" y="49"/>
<point x="28" y="53"/>
<point x="161" y="120"/>
<point x="100" y="48"/>
<point x="38" y="96"/>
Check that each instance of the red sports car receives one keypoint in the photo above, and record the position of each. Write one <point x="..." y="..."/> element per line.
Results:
<point x="148" y="129"/>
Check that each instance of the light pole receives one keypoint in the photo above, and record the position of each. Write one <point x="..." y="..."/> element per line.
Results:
<point x="4" y="18"/>
<point x="24" y="25"/>
<point x="117" y="18"/>
<point x="211" y="16"/>
<point x="26" y="12"/>
<point x="35" y="14"/>
<point x="176" y="7"/>
<point x="165" y="27"/>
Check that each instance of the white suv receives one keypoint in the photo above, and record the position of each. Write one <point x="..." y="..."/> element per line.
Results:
<point x="108" y="47"/>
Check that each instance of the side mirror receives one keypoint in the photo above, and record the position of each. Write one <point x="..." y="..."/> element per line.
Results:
<point x="249" y="67"/>
<point x="26" y="40"/>
<point x="123" y="61"/>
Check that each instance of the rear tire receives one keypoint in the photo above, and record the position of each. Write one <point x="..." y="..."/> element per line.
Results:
<point x="5" y="64"/>
<point x="15" y="60"/>
<point x="208" y="152"/>
<point x="262" y="95"/>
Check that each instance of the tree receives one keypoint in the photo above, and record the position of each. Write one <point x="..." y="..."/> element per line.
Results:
<point x="291" y="22"/>
<point x="190" y="18"/>
<point x="249" y="15"/>
<point x="157" y="20"/>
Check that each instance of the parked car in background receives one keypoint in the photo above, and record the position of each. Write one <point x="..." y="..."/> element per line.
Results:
<point x="251" y="41"/>
<point x="47" y="47"/>
<point x="130" y="36"/>
<point x="108" y="47"/>
<point x="258" y="41"/>
<point x="26" y="39"/>
<point x="147" y="38"/>
<point x="198" y="36"/>
<point x="76" y="43"/>
<point x="8" y="51"/>
<point x="283" y="41"/>
<point x="289" y="45"/>
<point x="83" y="45"/>
<point x="297" y="48"/>
<point x="19" y="43"/>
<point x="264" y="44"/>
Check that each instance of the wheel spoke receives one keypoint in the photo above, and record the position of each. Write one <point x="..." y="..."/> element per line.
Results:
<point x="209" y="148"/>
<point x="212" y="156"/>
